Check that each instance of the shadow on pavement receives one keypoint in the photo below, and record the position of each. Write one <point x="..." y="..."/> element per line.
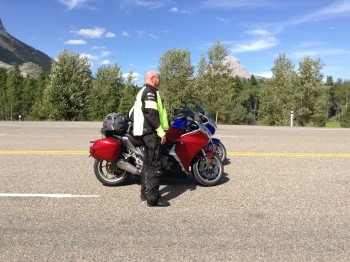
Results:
<point x="172" y="186"/>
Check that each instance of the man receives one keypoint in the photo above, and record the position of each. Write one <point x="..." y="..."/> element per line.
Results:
<point x="151" y="122"/>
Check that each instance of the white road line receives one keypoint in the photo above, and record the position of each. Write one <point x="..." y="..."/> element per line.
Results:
<point x="45" y="195"/>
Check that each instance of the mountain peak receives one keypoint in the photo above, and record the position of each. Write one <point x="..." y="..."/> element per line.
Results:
<point x="235" y="65"/>
<point x="2" y="28"/>
<point x="15" y="52"/>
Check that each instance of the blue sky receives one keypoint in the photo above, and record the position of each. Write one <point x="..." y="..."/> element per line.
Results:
<point x="135" y="33"/>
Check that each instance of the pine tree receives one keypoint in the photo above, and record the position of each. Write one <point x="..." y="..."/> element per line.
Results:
<point x="345" y="118"/>
<point x="14" y="86"/>
<point x="3" y="98"/>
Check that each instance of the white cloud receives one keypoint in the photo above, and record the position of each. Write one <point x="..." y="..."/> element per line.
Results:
<point x="178" y="11"/>
<point x="90" y="57"/>
<point x="140" y="33"/>
<point x="142" y="3"/>
<point x="335" y="10"/>
<point x="261" y="32"/>
<point x="125" y="33"/>
<point x="319" y="53"/>
<point x="174" y="10"/>
<point x="236" y="4"/>
<point x="256" y="45"/>
<point x="98" y="47"/>
<point x="137" y="78"/>
<point x="110" y="35"/>
<point x="75" y="42"/>
<point x="105" y="62"/>
<point x="72" y="3"/>
<point x="135" y="75"/>
<point x="225" y="21"/>
<point x="75" y="4"/>
<point x="96" y="32"/>
<point x="267" y="74"/>
<point x="105" y="53"/>
<point x="154" y="36"/>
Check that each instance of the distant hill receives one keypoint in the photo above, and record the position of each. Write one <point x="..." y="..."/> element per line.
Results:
<point x="236" y="67"/>
<point x="14" y="52"/>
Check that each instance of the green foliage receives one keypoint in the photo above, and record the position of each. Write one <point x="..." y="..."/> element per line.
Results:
<point x="67" y="93"/>
<point x="276" y="96"/>
<point x="309" y="93"/>
<point x="14" y="86"/>
<point x="3" y="96"/>
<point x="219" y="85"/>
<point x="106" y="91"/>
<point x="176" y="72"/>
<point x="128" y="95"/>
<point x="345" y="118"/>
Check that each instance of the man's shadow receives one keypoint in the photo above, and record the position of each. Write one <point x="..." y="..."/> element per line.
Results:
<point x="177" y="184"/>
<point x="174" y="187"/>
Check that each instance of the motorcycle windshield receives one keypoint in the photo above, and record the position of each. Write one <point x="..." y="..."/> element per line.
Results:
<point x="201" y="110"/>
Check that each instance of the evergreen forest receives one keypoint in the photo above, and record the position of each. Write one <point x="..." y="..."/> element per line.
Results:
<point x="70" y="92"/>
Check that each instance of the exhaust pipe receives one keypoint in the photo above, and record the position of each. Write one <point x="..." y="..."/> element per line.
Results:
<point x="122" y="164"/>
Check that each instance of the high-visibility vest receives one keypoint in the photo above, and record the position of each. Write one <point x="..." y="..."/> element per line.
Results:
<point x="139" y="119"/>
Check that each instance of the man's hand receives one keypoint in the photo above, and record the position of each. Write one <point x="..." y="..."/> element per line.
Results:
<point x="162" y="142"/>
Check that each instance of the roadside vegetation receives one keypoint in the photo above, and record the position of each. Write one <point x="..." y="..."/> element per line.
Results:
<point x="70" y="92"/>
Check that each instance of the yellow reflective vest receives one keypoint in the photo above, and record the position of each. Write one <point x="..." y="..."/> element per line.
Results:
<point x="149" y="114"/>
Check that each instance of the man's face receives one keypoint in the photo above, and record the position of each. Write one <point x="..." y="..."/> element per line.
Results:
<point x="155" y="80"/>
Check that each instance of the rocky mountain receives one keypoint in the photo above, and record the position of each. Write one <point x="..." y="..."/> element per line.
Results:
<point x="235" y="65"/>
<point x="14" y="52"/>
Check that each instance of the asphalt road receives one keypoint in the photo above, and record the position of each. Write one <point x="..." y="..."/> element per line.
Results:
<point x="285" y="197"/>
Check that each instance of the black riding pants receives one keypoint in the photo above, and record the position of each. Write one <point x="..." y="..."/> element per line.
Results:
<point x="152" y="168"/>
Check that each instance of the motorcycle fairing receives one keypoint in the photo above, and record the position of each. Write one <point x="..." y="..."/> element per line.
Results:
<point x="189" y="145"/>
<point x="215" y="141"/>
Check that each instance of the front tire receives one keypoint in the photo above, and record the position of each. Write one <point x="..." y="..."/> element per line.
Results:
<point x="208" y="173"/>
<point x="109" y="174"/>
<point x="221" y="151"/>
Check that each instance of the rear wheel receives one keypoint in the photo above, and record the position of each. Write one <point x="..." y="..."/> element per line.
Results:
<point x="109" y="174"/>
<point x="208" y="172"/>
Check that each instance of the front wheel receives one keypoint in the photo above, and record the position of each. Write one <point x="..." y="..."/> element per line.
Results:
<point x="208" y="172"/>
<point x="109" y="174"/>
<point x="221" y="151"/>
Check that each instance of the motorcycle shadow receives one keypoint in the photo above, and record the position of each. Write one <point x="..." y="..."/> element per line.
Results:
<point x="172" y="186"/>
<point x="175" y="187"/>
<point x="226" y="162"/>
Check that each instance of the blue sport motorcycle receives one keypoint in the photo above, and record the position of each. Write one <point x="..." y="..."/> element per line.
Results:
<point x="181" y="121"/>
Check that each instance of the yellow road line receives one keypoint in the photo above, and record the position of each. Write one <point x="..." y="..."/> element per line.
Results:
<point x="268" y="154"/>
<point x="288" y="154"/>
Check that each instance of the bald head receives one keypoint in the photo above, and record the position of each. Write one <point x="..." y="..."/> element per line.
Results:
<point x="152" y="78"/>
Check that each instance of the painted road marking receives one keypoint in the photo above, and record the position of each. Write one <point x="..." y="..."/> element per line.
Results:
<point x="271" y="154"/>
<point x="42" y="152"/>
<point x="45" y="195"/>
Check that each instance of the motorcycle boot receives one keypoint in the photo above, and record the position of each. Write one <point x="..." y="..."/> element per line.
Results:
<point x="160" y="203"/>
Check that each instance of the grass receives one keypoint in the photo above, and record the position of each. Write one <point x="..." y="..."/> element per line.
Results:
<point x="333" y="124"/>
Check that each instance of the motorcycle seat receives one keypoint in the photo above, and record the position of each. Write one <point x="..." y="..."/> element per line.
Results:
<point x="133" y="140"/>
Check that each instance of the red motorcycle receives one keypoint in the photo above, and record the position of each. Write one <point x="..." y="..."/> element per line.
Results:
<point x="119" y="156"/>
